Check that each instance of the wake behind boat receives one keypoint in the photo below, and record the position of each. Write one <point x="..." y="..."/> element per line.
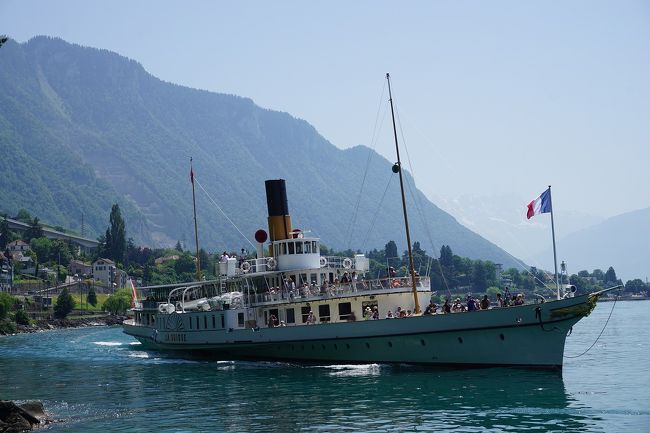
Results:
<point x="292" y="304"/>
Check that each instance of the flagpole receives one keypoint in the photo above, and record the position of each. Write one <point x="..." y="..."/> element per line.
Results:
<point x="557" y="282"/>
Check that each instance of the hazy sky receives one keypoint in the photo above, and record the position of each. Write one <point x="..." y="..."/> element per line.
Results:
<point x="494" y="97"/>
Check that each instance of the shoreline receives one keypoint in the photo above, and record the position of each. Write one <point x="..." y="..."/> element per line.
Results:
<point x="53" y="324"/>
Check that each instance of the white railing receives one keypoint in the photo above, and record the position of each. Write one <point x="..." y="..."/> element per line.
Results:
<point x="314" y="292"/>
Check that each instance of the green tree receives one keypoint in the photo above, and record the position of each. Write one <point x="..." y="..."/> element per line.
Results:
<point x="21" y="317"/>
<point x="446" y="256"/>
<point x="391" y="250"/>
<point x="636" y="286"/>
<point x="64" y="304"/>
<point x="185" y="263"/>
<point x="117" y="241"/>
<point x="598" y="274"/>
<point x="178" y="246"/>
<point x="41" y="246"/>
<point x="60" y="252"/>
<point x="6" y="304"/>
<point x="610" y="276"/>
<point x="479" y="277"/>
<point x="23" y="216"/>
<point x="92" y="297"/>
<point x="118" y="302"/>
<point x="35" y="230"/>
<point x="5" y="234"/>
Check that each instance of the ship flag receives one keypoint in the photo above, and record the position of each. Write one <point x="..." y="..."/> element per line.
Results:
<point x="541" y="204"/>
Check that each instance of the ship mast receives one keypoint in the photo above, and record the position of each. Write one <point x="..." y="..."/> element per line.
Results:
<point x="397" y="168"/>
<point x="196" y="230"/>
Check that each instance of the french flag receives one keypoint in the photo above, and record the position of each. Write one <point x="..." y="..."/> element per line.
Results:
<point x="541" y="204"/>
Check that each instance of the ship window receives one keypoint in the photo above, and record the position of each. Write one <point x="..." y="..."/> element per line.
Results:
<point x="307" y="247"/>
<point x="304" y="312"/>
<point x="303" y="279"/>
<point x="214" y="322"/>
<point x="283" y="248"/>
<point x="190" y="323"/>
<point x="223" y="321"/>
<point x="345" y="310"/>
<point x="324" y="312"/>
<point x="298" y="247"/>
<point x="275" y="312"/>
<point x="205" y="322"/>
<point x="291" y="315"/>
<point x="314" y="247"/>
<point x="197" y="323"/>
<point x="240" y="319"/>
<point x="312" y="278"/>
<point x="291" y="247"/>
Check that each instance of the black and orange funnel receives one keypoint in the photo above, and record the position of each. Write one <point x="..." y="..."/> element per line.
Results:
<point x="276" y="202"/>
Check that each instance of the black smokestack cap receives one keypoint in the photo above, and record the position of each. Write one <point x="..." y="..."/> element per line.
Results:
<point x="276" y="197"/>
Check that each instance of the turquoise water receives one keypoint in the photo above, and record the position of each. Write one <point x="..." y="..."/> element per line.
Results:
<point x="99" y="380"/>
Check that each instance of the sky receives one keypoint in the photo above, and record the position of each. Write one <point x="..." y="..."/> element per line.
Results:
<point x="494" y="98"/>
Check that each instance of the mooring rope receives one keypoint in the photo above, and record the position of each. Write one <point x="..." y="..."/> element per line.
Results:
<point x="601" y="333"/>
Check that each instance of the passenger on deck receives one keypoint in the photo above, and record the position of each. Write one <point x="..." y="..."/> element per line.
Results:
<point x="519" y="300"/>
<point x="224" y="257"/>
<point x="409" y="313"/>
<point x="485" y="303"/>
<point x="458" y="306"/>
<point x="399" y="312"/>
<point x="389" y="315"/>
<point x="367" y="313"/>
<point x="446" y="308"/>
<point x="471" y="304"/>
<point x="375" y="313"/>
<point x="500" y="302"/>
<point x="273" y="321"/>
<point x="311" y="319"/>
<point x="431" y="309"/>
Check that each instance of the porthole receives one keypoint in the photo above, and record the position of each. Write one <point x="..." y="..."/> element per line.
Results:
<point x="460" y="340"/>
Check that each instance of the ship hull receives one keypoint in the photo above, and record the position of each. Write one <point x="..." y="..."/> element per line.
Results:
<point x="528" y="335"/>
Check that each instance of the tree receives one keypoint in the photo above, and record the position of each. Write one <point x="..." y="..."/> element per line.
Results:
<point x="42" y="247"/>
<point x="185" y="263"/>
<point x="118" y="234"/>
<point x="6" y="304"/>
<point x="23" y="216"/>
<point x="64" y="304"/>
<point x="92" y="297"/>
<point x="5" y="234"/>
<point x="479" y="278"/>
<point x="391" y="250"/>
<point x="35" y="230"/>
<point x="598" y="274"/>
<point x="178" y="246"/>
<point x="118" y="302"/>
<point x="21" y="317"/>
<point x="3" y="39"/>
<point x="446" y="256"/>
<point x="610" y="276"/>
<point x="635" y="286"/>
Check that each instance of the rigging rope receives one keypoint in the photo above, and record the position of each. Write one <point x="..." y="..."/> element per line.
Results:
<point x="418" y="206"/>
<point x="601" y="332"/>
<point x="222" y="212"/>
<point x="373" y="142"/>
<point x="374" y="218"/>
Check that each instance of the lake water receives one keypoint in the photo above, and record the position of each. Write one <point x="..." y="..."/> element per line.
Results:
<point x="100" y="380"/>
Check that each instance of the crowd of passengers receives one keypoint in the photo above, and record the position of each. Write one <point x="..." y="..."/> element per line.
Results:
<point x="470" y="304"/>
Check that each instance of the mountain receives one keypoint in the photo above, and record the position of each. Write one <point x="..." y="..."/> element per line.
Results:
<point x="82" y="128"/>
<point x="621" y="242"/>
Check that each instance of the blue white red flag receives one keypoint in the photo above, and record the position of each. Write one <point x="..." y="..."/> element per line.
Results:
<point x="541" y="204"/>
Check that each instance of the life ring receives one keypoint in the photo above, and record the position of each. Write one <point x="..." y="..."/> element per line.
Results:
<point x="245" y="267"/>
<point x="347" y="263"/>
<point x="323" y="262"/>
<point x="271" y="263"/>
